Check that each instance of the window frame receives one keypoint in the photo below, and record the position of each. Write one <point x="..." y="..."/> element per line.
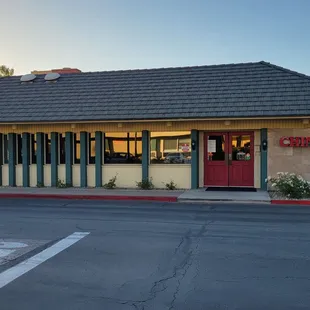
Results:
<point x="132" y="158"/>
<point x="184" y="157"/>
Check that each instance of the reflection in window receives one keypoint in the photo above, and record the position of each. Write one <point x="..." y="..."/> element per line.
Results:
<point x="62" y="149"/>
<point x="241" y="148"/>
<point x="47" y="143"/>
<point x="76" y="148"/>
<point x="5" y="149"/>
<point x="91" y="148"/>
<point x="33" y="149"/>
<point x="19" y="149"/>
<point x="123" y="148"/>
<point x="170" y="147"/>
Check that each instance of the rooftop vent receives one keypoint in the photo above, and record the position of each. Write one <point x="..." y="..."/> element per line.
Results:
<point x="51" y="77"/>
<point x="28" y="78"/>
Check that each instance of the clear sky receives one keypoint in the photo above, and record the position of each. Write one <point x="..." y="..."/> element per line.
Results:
<point x="98" y="35"/>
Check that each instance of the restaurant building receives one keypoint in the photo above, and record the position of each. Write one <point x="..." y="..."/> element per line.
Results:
<point x="222" y="125"/>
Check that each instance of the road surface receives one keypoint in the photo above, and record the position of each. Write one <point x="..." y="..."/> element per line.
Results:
<point x="138" y="255"/>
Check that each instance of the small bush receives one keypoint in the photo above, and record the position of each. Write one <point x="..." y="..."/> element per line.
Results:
<point x="145" y="184"/>
<point x="170" y="186"/>
<point x="61" y="184"/>
<point x="290" y="185"/>
<point x="111" y="184"/>
<point x="40" y="185"/>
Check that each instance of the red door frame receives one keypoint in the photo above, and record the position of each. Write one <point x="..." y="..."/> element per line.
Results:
<point x="215" y="172"/>
<point x="229" y="172"/>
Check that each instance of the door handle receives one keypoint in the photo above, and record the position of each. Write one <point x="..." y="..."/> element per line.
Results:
<point x="229" y="159"/>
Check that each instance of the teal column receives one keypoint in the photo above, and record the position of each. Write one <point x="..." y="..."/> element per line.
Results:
<point x="54" y="158"/>
<point x="195" y="159"/>
<point x="83" y="162"/>
<point x="12" y="159"/>
<point x="263" y="159"/>
<point x="40" y="159"/>
<point x="1" y="157"/>
<point x="98" y="161"/>
<point x="26" y="158"/>
<point x="145" y="154"/>
<point x="69" y="157"/>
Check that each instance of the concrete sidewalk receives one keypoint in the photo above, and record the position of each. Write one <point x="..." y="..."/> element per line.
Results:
<point x="199" y="195"/>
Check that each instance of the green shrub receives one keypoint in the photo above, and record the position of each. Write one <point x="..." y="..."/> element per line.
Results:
<point x="61" y="184"/>
<point x="145" y="184"/>
<point x="290" y="185"/>
<point x="170" y="186"/>
<point x="40" y="185"/>
<point x="111" y="184"/>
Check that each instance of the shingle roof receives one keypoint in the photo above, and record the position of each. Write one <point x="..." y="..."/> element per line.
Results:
<point x="220" y="91"/>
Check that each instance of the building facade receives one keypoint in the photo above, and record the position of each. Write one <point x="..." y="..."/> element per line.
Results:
<point x="226" y="125"/>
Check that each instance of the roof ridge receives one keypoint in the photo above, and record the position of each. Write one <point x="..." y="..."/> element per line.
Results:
<point x="157" y="68"/>
<point x="304" y="76"/>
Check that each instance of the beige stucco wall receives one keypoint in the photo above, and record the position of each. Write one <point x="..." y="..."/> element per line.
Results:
<point x="5" y="175"/>
<point x="164" y="173"/>
<point x="33" y="175"/>
<point x="47" y="175"/>
<point x="288" y="159"/>
<point x="62" y="173"/>
<point x="76" y="175"/>
<point x="19" y="175"/>
<point x="127" y="175"/>
<point x="91" y="175"/>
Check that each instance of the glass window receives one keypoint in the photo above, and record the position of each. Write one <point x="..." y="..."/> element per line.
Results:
<point x="92" y="148"/>
<point x="47" y="138"/>
<point x="216" y="148"/>
<point x="170" y="147"/>
<point x="241" y="147"/>
<point x="62" y="149"/>
<point x="33" y="145"/>
<point x="19" y="150"/>
<point x="5" y="149"/>
<point x="123" y="148"/>
<point x="76" y="148"/>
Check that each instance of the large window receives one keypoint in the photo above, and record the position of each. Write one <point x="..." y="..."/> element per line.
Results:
<point x="5" y="149"/>
<point x="170" y="147"/>
<point x="91" y="148"/>
<point x="76" y="148"/>
<point x="62" y="149"/>
<point x="33" y="148"/>
<point x="19" y="149"/>
<point x="47" y="138"/>
<point x="123" y="148"/>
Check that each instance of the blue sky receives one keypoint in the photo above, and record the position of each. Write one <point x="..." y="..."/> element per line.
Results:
<point x="97" y="35"/>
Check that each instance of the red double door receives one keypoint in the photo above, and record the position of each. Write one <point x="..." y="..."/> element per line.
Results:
<point x="229" y="159"/>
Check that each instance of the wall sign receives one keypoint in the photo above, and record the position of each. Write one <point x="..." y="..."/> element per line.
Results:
<point x="295" y="141"/>
<point x="211" y="146"/>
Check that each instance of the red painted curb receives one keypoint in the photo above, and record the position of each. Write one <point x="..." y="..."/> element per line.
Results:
<point x="291" y="202"/>
<point x="91" y="197"/>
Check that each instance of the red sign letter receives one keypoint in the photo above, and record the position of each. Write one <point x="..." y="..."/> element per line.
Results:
<point x="285" y="142"/>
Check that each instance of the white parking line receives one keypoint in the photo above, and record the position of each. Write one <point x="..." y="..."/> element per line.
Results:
<point x="15" y="272"/>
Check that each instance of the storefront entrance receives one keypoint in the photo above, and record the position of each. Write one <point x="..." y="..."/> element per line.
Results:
<point x="229" y="159"/>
